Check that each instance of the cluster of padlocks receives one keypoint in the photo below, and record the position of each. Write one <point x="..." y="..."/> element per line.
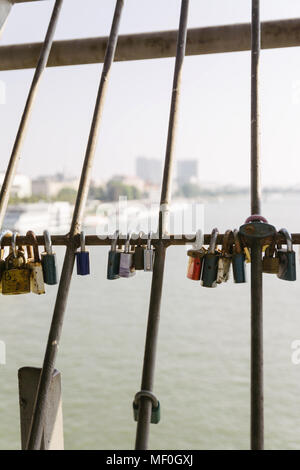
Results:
<point x="24" y="272"/>
<point x="211" y="266"/>
<point x="124" y="263"/>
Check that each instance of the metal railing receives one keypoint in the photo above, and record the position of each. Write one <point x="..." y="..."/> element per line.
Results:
<point x="229" y="38"/>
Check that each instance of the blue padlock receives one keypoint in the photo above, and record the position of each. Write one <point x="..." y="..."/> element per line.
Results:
<point x="210" y="262"/>
<point x="83" y="258"/>
<point x="49" y="261"/>
<point x="238" y="260"/>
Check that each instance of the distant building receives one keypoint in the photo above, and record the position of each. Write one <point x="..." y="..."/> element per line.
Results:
<point x="149" y="170"/>
<point x="50" y="186"/>
<point x="21" y="185"/>
<point x="187" y="171"/>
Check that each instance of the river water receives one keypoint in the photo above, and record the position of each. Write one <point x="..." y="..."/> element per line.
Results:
<point x="202" y="375"/>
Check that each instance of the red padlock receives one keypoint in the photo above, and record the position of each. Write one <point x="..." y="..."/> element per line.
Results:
<point x="196" y="255"/>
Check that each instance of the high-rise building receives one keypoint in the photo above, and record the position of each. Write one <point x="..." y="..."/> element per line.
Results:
<point x="187" y="171"/>
<point x="149" y="170"/>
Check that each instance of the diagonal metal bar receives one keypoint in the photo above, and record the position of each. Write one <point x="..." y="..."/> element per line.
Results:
<point x="145" y="407"/>
<point x="15" y="156"/>
<point x="65" y="281"/>
<point x="257" y="397"/>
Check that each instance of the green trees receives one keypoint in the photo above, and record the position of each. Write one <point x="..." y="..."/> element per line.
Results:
<point x="113" y="190"/>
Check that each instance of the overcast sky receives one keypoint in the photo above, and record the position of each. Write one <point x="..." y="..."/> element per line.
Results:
<point x="215" y="103"/>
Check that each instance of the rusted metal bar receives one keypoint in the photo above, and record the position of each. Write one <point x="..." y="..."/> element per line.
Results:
<point x="166" y="240"/>
<point x="257" y="395"/>
<point x="65" y="280"/>
<point x="15" y="156"/>
<point x="154" y="45"/>
<point x="145" y="406"/>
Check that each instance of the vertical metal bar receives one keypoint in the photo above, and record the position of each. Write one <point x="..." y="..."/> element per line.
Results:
<point x="255" y="131"/>
<point x="257" y="393"/>
<point x="15" y="156"/>
<point x="65" y="281"/>
<point x="144" y="417"/>
<point x="257" y="397"/>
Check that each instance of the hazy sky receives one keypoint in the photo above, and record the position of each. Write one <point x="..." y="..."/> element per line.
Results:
<point x="215" y="104"/>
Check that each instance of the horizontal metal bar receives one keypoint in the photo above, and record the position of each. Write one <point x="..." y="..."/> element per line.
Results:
<point x="154" y="45"/>
<point x="94" y="240"/>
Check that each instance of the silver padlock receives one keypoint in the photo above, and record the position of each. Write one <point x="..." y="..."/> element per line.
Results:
<point x="127" y="268"/>
<point x="149" y="255"/>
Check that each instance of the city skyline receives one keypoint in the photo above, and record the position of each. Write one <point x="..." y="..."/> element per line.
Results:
<point x="214" y="118"/>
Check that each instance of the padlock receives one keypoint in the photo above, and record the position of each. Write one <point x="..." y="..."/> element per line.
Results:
<point x="126" y="260"/>
<point x="3" y="234"/>
<point x="113" y="264"/>
<point x="149" y="255"/>
<point x="256" y="229"/>
<point x="225" y="259"/>
<point x="287" y="258"/>
<point x="210" y="262"/>
<point x="83" y="257"/>
<point x="270" y="261"/>
<point x="16" y="276"/>
<point x="238" y="260"/>
<point x="196" y="255"/>
<point x="155" y="412"/>
<point x="49" y="263"/>
<point x="138" y="257"/>
<point x="35" y="266"/>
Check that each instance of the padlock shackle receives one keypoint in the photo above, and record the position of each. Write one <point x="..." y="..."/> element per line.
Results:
<point x="48" y="243"/>
<point x="150" y="234"/>
<point x="115" y="240"/>
<point x="14" y="244"/>
<point x="199" y="240"/>
<point x="29" y="250"/>
<point x="35" y="246"/>
<point x="237" y="242"/>
<point x="288" y="238"/>
<point x="226" y="246"/>
<point x="256" y="218"/>
<point x="127" y="243"/>
<point x="82" y="240"/>
<point x="213" y="241"/>
<point x="141" y="235"/>
<point x="3" y="234"/>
